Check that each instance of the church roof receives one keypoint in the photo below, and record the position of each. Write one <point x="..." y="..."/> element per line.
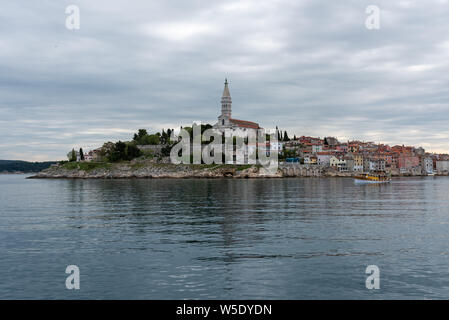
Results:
<point x="226" y="89"/>
<point x="244" y="124"/>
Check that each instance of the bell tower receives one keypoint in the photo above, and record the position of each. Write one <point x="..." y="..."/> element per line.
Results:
<point x="226" y="102"/>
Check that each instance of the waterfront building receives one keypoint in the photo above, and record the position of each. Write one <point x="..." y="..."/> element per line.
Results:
<point x="407" y="162"/>
<point x="336" y="162"/>
<point x="310" y="159"/>
<point x="427" y="165"/>
<point x="442" y="166"/>
<point x="349" y="163"/>
<point x="366" y="164"/>
<point x="324" y="158"/>
<point x="358" y="162"/>
<point x="377" y="164"/>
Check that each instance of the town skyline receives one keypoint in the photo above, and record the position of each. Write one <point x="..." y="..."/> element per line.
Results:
<point x="244" y="124"/>
<point x="311" y="68"/>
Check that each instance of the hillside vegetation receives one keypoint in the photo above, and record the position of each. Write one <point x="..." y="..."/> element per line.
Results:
<point x="23" y="166"/>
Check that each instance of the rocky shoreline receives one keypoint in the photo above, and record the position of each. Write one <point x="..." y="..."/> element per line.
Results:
<point x="154" y="170"/>
<point x="142" y="170"/>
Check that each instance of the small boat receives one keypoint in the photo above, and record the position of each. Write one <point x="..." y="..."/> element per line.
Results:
<point x="375" y="177"/>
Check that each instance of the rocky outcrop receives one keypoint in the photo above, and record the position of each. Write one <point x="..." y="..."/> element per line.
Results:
<point x="153" y="170"/>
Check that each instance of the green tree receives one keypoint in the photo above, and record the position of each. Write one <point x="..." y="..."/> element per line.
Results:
<point x="81" y="154"/>
<point x="118" y="152"/>
<point x="132" y="151"/>
<point x="73" y="155"/>
<point x="143" y="138"/>
<point x="106" y="149"/>
<point x="169" y="131"/>
<point x="124" y="151"/>
<point x="286" y="138"/>
<point x="151" y="139"/>
<point x="142" y="132"/>
<point x="140" y="135"/>
<point x="165" y="151"/>
<point x="164" y="137"/>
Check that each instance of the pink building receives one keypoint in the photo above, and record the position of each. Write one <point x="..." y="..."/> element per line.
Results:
<point x="408" y="162"/>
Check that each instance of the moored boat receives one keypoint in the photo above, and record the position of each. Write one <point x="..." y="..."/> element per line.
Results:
<point x="375" y="177"/>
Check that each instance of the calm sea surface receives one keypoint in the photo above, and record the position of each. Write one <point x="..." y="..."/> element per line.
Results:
<point x="224" y="239"/>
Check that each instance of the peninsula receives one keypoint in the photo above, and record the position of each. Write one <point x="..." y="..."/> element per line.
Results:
<point x="148" y="155"/>
<point x="151" y="169"/>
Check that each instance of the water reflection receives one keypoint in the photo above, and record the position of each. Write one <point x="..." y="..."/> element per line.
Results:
<point x="225" y="238"/>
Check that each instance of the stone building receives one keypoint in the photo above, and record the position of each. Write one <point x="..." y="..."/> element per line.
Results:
<point x="225" y="120"/>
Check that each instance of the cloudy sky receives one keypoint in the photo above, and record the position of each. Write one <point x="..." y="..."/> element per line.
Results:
<point x="310" y="67"/>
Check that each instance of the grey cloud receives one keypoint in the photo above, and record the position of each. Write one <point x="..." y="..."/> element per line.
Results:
<point x="310" y="67"/>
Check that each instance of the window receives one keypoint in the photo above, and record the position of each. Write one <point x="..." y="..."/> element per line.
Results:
<point x="222" y="122"/>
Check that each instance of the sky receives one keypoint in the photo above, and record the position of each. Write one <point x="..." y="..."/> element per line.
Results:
<point x="310" y="67"/>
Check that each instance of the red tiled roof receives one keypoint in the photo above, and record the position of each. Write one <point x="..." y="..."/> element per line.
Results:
<point x="245" y="124"/>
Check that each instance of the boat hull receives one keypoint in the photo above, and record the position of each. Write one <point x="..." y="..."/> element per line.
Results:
<point x="364" y="181"/>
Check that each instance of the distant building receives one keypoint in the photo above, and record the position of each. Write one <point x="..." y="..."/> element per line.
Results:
<point x="92" y="155"/>
<point x="331" y="141"/>
<point x="358" y="162"/>
<point x="324" y="158"/>
<point x="442" y="166"/>
<point x="427" y="165"/>
<point x="349" y="161"/>
<point x="276" y="146"/>
<point x="407" y="162"/>
<point x="317" y="148"/>
<point x="337" y="162"/>
<point x="88" y="157"/>
<point x="366" y="164"/>
<point x="352" y="147"/>
<point x="310" y="159"/>
<point x="377" y="164"/>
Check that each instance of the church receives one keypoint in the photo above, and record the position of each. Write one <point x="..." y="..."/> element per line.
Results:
<point x="225" y="120"/>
